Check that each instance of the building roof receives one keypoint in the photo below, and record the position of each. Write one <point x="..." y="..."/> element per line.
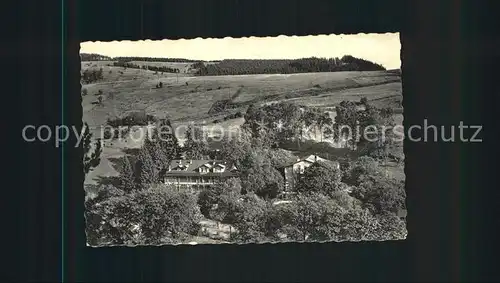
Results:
<point x="192" y="165"/>
<point x="186" y="167"/>
<point x="307" y="158"/>
<point x="293" y="161"/>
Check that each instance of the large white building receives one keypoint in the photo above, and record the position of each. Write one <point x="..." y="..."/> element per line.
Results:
<point x="191" y="173"/>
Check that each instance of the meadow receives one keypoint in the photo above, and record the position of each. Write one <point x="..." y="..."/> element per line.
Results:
<point x="186" y="98"/>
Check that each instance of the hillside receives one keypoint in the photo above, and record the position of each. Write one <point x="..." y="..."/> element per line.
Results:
<point x="186" y="97"/>
<point x="189" y="98"/>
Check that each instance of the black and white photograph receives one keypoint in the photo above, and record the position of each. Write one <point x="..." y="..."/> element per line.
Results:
<point x="243" y="140"/>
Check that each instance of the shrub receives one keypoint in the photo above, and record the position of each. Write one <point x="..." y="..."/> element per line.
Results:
<point x="151" y="216"/>
<point x="107" y="133"/>
<point x="138" y="118"/>
<point x="90" y="76"/>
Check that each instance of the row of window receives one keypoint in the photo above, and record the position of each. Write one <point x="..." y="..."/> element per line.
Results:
<point x="207" y="170"/>
<point x="192" y="180"/>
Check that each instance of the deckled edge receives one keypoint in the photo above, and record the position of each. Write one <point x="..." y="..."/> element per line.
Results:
<point x="242" y="37"/>
<point x="249" y="244"/>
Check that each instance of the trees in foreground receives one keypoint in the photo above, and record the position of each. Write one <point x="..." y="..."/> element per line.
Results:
<point x="260" y="177"/>
<point x="152" y="216"/>
<point x="373" y="188"/>
<point x="309" y="217"/>
<point x="161" y="215"/>
<point x="321" y="177"/>
<point x="357" y="202"/>
<point x="320" y="211"/>
<point x="139" y="212"/>
<point x="213" y="199"/>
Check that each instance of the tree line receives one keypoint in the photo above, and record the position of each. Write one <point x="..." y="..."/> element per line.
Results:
<point x="94" y="57"/>
<point x="146" y="67"/>
<point x="98" y="57"/>
<point x="250" y="66"/>
<point x="154" y="59"/>
<point x="304" y="65"/>
<point x="91" y="76"/>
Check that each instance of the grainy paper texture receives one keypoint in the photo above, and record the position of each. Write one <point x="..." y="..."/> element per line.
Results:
<point x="250" y="140"/>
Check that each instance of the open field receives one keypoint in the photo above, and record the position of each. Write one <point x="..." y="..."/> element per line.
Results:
<point x="185" y="98"/>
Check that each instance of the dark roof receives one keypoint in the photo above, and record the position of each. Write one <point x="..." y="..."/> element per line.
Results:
<point x="192" y="168"/>
<point x="192" y="164"/>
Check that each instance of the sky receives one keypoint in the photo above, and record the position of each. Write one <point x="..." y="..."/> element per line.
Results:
<point x="383" y="49"/>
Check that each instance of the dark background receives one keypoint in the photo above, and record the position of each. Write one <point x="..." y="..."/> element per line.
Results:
<point x="450" y="210"/>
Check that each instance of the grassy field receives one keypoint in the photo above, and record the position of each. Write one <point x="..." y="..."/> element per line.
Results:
<point x="185" y="98"/>
<point x="188" y="98"/>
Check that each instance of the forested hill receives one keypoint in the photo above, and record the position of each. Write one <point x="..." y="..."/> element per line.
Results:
<point x="94" y="57"/>
<point x="305" y="65"/>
